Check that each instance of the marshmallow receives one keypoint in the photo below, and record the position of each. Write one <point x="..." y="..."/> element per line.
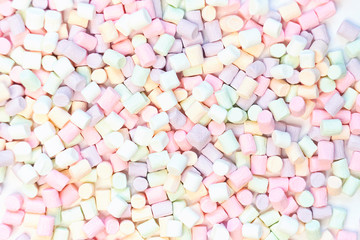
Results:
<point x="189" y="217"/>
<point x="127" y="150"/>
<point x="169" y="80"/>
<point x="229" y="55"/>
<point x="66" y="158"/>
<point x="272" y="27"/>
<point x="140" y="75"/>
<point x="80" y="118"/>
<point x="179" y="62"/>
<point x="249" y="38"/>
<point x="192" y="181"/>
<point x="296" y="45"/>
<point x="252" y="231"/>
<point x="288" y="225"/>
<point x="258" y="7"/>
<point x="139" y="19"/>
<point x="177" y="164"/>
<point x="86" y="10"/>
<point x="114" y="59"/>
<point x="117" y="207"/>
<point x="34" y="18"/>
<point x="219" y="192"/>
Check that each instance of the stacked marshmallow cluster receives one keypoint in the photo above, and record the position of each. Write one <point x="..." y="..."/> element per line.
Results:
<point x="175" y="119"/>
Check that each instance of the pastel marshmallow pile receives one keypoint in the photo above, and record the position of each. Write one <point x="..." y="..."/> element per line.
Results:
<point x="177" y="119"/>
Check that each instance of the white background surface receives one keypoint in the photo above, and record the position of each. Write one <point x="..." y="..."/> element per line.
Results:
<point x="346" y="9"/>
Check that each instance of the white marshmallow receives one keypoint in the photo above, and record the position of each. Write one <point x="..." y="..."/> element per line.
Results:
<point x="159" y="141"/>
<point x="252" y="230"/>
<point x="19" y="131"/>
<point x="249" y="38"/>
<point x="164" y="44"/>
<point x="117" y="206"/>
<point x="114" y="121"/>
<point x="63" y="67"/>
<point x="61" y="5"/>
<point x="86" y="10"/>
<point x="288" y="225"/>
<point x="277" y="50"/>
<point x="88" y="208"/>
<point x="66" y="158"/>
<point x="33" y="42"/>
<point x="177" y="164"/>
<point x="113" y="140"/>
<point x="307" y="59"/>
<point x="192" y="181"/>
<point x="22" y="152"/>
<point x="166" y="100"/>
<point x="173" y="228"/>
<point x="229" y="54"/>
<point x="114" y="59"/>
<point x="42" y="105"/>
<point x="281" y="71"/>
<point x="53" y="82"/>
<point x="202" y="91"/>
<point x="43" y="164"/>
<point x="236" y="115"/>
<point x="217" y="113"/>
<point x="281" y="139"/>
<point x="127" y="150"/>
<point x="16" y="55"/>
<point x="158" y="121"/>
<point x="72" y="215"/>
<point x="219" y="232"/>
<point x="80" y="119"/>
<point x="20" y="4"/>
<point x="169" y="80"/>
<point x="272" y="27"/>
<point x="91" y="91"/>
<point x="219" y="192"/>
<point x="53" y="20"/>
<point x="296" y="45"/>
<point x="139" y="75"/>
<point x="258" y="7"/>
<point x="217" y="3"/>
<point x="136" y="102"/>
<point x="27" y="174"/>
<point x="221" y="167"/>
<point x="119" y="180"/>
<point x="61" y="233"/>
<point x="34" y="18"/>
<point x="189" y="217"/>
<point x="53" y="146"/>
<point x="179" y="62"/>
<point x="50" y="42"/>
<point x="31" y="60"/>
<point x="47" y="62"/>
<point x="274" y="164"/>
<point x="140" y="19"/>
<point x="158" y="160"/>
<point x="44" y="131"/>
<point x="143" y="135"/>
<point x="148" y="228"/>
<point x="123" y="25"/>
